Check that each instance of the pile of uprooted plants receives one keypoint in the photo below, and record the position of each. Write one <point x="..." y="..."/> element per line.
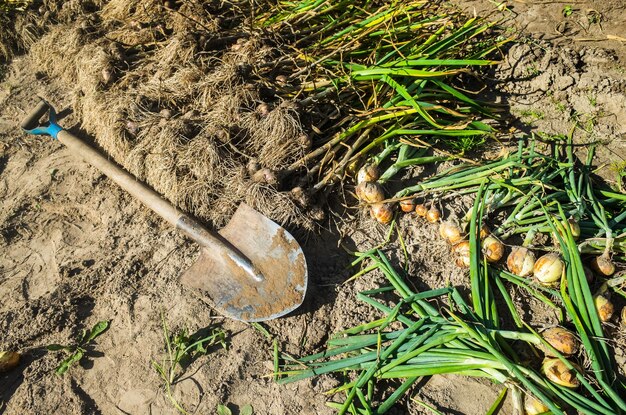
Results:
<point x="214" y="103"/>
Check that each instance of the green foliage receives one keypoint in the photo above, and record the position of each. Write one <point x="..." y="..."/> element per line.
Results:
<point x="533" y="114"/>
<point x="567" y="11"/>
<point x="182" y="349"/>
<point x="463" y="144"/>
<point x="398" y="72"/>
<point x="75" y="352"/>
<point x="619" y="168"/>
<point x="223" y="410"/>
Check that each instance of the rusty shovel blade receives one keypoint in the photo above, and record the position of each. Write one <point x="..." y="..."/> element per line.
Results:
<point x="275" y="254"/>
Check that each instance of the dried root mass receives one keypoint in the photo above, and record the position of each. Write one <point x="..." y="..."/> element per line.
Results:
<point x="171" y="91"/>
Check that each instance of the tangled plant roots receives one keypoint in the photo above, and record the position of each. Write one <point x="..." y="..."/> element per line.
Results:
<point x="174" y="96"/>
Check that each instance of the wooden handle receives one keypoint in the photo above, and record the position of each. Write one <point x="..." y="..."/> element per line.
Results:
<point x="192" y="228"/>
<point x="126" y="181"/>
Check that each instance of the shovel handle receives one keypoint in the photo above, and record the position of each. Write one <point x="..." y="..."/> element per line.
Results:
<point x="34" y="123"/>
<point x="125" y="180"/>
<point x="192" y="228"/>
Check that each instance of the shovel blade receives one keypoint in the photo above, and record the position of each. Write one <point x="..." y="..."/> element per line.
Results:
<point x="272" y="250"/>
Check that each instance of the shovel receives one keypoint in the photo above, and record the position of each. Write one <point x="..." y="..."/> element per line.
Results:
<point x="252" y="269"/>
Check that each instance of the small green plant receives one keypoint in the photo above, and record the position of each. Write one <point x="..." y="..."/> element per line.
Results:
<point x="533" y="114"/>
<point x="532" y="70"/>
<point x="182" y="349"/>
<point x="567" y="11"/>
<point x="594" y="17"/>
<point x="593" y="101"/>
<point x="245" y="410"/>
<point x="75" y="352"/>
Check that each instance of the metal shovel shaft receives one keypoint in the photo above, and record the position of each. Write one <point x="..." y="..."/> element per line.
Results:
<point x="156" y="202"/>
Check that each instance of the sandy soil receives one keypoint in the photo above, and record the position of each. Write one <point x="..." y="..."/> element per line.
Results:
<point x="76" y="249"/>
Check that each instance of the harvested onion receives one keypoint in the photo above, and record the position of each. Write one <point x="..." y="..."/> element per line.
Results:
<point x="562" y="340"/>
<point x="450" y="232"/>
<point x="8" y="360"/>
<point x="368" y="173"/>
<point x="556" y="371"/>
<point x="604" y="306"/>
<point x="433" y="215"/>
<point x="574" y="227"/>
<point x="532" y="406"/>
<point x="382" y="212"/>
<point x="493" y="249"/>
<point x="370" y="192"/>
<point x="265" y="176"/>
<point x="484" y="231"/>
<point x="421" y="210"/>
<point x="603" y="265"/>
<point x="521" y="261"/>
<point x="407" y="205"/>
<point x="461" y="252"/>
<point x="549" y="269"/>
<point x="301" y="197"/>
<point x="624" y="318"/>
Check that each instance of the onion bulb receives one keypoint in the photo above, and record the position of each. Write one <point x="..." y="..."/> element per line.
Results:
<point x="549" y="269"/>
<point x="407" y="205"/>
<point x="382" y="212"/>
<point x="253" y="166"/>
<point x="421" y="210"/>
<point x="8" y="360"/>
<point x="556" y="371"/>
<point x="367" y="173"/>
<point x="562" y="340"/>
<point x="461" y="252"/>
<point x="370" y="192"/>
<point x="604" y="306"/>
<point x="450" y="232"/>
<point x="107" y="75"/>
<point x="574" y="227"/>
<point x="493" y="249"/>
<point x="521" y="261"/>
<point x="624" y="318"/>
<point x="265" y="176"/>
<point x="484" y="232"/>
<point x="301" y="197"/>
<point x="603" y="265"/>
<point x="532" y="406"/>
<point x="433" y="215"/>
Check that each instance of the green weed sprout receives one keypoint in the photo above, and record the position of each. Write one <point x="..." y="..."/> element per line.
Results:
<point x="78" y="350"/>
<point x="182" y="349"/>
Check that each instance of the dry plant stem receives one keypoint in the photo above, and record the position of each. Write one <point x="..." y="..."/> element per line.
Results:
<point x="337" y="172"/>
<point x="313" y="154"/>
<point x="317" y="97"/>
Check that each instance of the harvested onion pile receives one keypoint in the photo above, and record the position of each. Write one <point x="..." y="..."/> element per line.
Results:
<point x="567" y="255"/>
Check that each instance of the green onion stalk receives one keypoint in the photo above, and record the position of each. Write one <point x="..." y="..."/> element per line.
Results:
<point x="454" y="339"/>
<point x="382" y="72"/>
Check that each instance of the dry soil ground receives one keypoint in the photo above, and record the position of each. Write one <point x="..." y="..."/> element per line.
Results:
<point x="75" y="249"/>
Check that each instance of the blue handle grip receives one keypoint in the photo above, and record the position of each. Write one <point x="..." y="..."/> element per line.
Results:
<point x="32" y="125"/>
